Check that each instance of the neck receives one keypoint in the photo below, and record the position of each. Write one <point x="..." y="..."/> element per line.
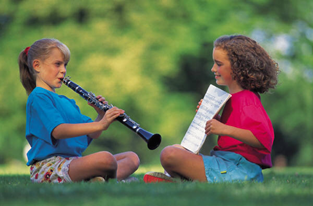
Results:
<point x="235" y="88"/>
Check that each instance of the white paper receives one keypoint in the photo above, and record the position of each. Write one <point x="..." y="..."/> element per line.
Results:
<point x="212" y="102"/>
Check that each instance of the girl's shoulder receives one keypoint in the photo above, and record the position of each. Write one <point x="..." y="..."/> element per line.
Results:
<point x="246" y="97"/>
<point x="246" y="94"/>
<point x="40" y="93"/>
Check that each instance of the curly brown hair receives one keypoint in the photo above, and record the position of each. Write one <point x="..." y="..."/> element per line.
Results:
<point x="251" y="65"/>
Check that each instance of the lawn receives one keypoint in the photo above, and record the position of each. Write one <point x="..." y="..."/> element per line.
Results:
<point x="289" y="186"/>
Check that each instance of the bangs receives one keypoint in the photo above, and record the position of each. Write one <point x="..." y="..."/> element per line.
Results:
<point x="65" y="50"/>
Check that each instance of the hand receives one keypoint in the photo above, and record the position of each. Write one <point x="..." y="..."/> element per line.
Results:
<point x="199" y="104"/>
<point x="110" y="116"/>
<point x="214" y="126"/>
<point x="99" y="111"/>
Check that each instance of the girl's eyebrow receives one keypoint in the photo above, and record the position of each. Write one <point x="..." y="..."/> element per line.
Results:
<point x="59" y="61"/>
<point x="217" y="61"/>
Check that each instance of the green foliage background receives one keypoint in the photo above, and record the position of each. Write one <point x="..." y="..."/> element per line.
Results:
<point x="153" y="59"/>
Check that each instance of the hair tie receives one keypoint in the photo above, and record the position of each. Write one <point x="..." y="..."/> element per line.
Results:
<point x="26" y="50"/>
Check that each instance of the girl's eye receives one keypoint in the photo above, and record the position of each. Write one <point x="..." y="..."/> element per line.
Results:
<point x="218" y="63"/>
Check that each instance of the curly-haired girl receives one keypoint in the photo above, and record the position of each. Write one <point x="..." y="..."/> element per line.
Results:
<point x="245" y="131"/>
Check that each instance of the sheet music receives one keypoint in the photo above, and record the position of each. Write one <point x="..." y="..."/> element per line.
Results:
<point x="211" y="104"/>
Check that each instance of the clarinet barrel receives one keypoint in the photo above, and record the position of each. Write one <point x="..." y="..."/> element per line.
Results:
<point x="152" y="140"/>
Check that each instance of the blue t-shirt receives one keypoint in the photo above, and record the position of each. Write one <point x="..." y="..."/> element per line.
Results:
<point x="44" y="111"/>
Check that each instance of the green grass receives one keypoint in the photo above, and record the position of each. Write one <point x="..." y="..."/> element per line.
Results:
<point x="289" y="186"/>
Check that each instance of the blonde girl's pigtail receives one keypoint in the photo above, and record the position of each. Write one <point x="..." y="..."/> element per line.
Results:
<point x="26" y="73"/>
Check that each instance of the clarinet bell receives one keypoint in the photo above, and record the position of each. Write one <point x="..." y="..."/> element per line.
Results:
<point x="152" y="140"/>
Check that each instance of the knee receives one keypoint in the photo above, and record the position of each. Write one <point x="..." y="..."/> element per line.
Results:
<point x="134" y="159"/>
<point x="107" y="161"/>
<point x="168" y="156"/>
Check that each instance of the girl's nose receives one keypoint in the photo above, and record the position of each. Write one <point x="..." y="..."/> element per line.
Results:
<point x="213" y="69"/>
<point x="63" y="69"/>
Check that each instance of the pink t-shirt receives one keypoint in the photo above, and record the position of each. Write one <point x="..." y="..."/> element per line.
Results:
<point x="244" y="110"/>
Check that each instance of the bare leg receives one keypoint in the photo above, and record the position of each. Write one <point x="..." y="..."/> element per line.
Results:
<point x="127" y="164"/>
<point x="101" y="164"/>
<point x="177" y="161"/>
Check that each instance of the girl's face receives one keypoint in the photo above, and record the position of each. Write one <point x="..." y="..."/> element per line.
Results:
<point x="222" y="70"/>
<point x="51" y="71"/>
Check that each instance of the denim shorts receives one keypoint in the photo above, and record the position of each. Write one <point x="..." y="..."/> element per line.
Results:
<point x="222" y="166"/>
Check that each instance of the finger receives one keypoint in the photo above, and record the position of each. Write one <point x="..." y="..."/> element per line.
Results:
<point x="117" y="114"/>
<point x="208" y="123"/>
<point x="115" y="111"/>
<point x="121" y="111"/>
<point x="207" y="131"/>
<point x="112" y="116"/>
<point x="100" y="98"/>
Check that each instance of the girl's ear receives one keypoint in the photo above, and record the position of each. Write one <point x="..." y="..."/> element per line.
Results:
<point x="36" y="65"/>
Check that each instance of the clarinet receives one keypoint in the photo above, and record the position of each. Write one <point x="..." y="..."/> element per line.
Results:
<point x="152" y="140"/>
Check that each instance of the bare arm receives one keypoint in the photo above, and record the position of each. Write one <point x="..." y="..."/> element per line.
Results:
<point x="93" y="129"/>
<point x="213" y="126"/>
<point x="64" y="131"/>
<point x="96" y="134"/>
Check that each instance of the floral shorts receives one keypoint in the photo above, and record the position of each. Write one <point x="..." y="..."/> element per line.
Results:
<point x="53" y="169"/>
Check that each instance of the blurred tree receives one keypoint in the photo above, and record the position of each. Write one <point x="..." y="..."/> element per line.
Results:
<point x="153" y="59"/>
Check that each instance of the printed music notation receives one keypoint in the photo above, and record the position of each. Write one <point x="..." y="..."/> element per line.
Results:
<point x="212" y="102"/>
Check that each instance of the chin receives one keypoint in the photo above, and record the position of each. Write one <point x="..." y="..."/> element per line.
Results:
<point x="220" y="83"/>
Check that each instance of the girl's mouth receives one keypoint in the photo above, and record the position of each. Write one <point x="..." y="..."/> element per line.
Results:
<point x="217" y="76"/>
